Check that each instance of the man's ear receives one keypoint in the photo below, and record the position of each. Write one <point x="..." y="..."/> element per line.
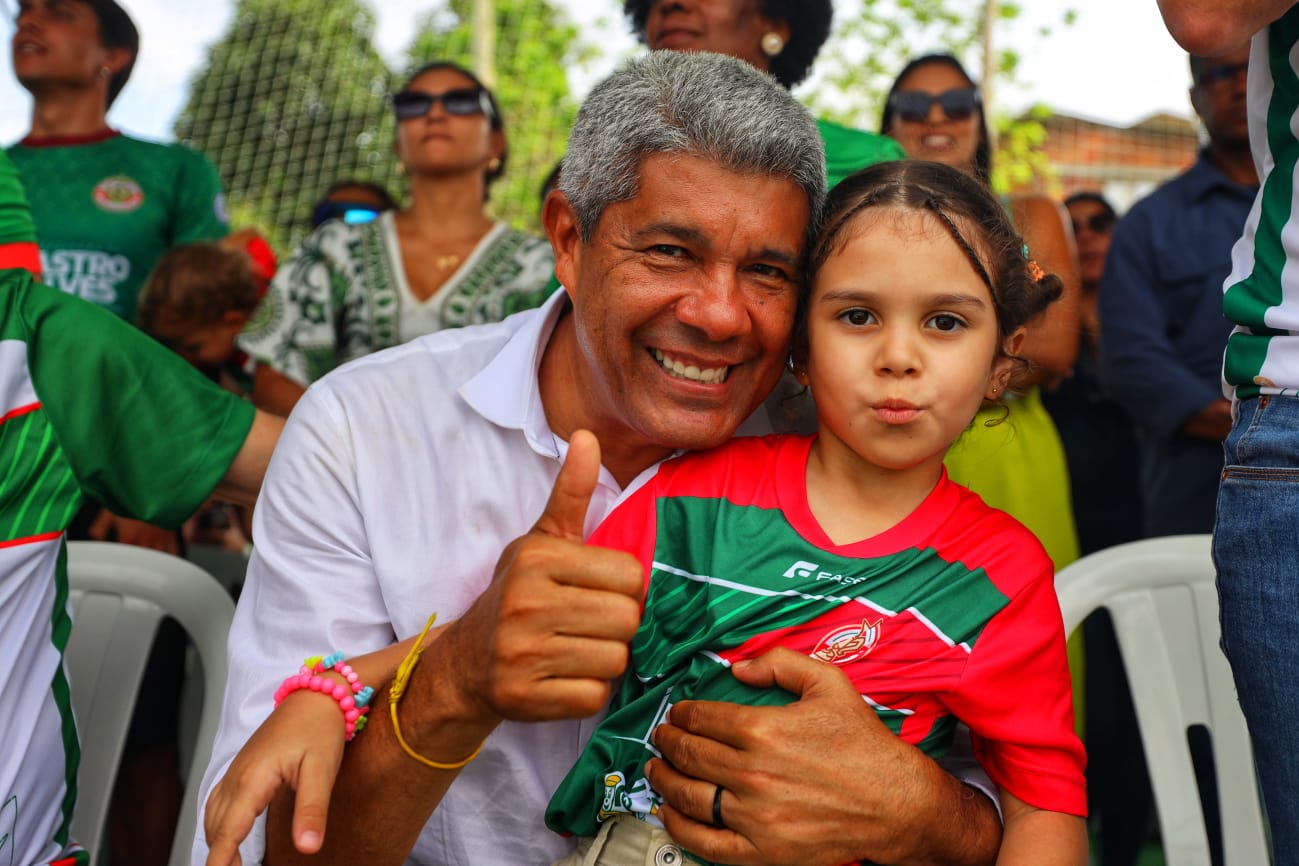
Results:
<point x="560" y="222"/>
<point x="235" y="318"/>
<point x="116" y="59"/>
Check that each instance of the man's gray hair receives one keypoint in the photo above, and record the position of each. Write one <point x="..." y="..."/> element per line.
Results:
<point x="694" y="104"/>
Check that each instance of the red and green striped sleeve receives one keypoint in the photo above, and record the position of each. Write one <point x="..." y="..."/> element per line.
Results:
<point x="17" y="231"/>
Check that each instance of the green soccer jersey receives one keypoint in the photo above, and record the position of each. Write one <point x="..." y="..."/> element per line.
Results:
<point x="90" y="406"/>
<point x="108" y="206"/>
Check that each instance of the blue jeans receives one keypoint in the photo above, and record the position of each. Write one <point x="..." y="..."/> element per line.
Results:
<point x="1256" y="550"/>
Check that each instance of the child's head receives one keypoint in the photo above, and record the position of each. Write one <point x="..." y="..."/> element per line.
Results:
<point x="919" y="292"/>
<point x="197" y="298"/>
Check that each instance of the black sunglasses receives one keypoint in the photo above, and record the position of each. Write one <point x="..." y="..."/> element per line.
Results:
<point x="1217" y="74"/>
<point x="1098" y="223"/>
<point x="462" y="102"/>
<point x="350" y="212"/>
<point x="913" y="105"/>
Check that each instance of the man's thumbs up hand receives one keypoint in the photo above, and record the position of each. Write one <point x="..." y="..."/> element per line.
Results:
<point x="554" y="625"/>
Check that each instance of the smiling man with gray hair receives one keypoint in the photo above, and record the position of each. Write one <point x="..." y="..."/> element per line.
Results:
<point x="690" y="188"/>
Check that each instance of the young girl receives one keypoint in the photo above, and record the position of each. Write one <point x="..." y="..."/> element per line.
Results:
<point x="852" y="545"/>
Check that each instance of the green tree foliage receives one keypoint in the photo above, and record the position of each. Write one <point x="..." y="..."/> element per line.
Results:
<point x="291" y="99"/>
<point x="536" y="45"/>
<point x="874" y="39"/>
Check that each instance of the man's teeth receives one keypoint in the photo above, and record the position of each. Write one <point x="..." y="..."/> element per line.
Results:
<point x="713" y="376"/>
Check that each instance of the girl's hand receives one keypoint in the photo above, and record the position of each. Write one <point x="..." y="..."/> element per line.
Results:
<point x="300" y="748"/>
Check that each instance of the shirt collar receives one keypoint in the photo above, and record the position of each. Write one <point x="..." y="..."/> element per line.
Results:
<point x="1204" y="178"/>
<point x="503" y="396"/>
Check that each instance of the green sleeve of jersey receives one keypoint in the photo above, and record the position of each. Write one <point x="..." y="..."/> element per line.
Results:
<point x="200" y="204"/>
<point x="143" y="431"/>
<point x="17" y="231"/>
<point x="848" y="150"/>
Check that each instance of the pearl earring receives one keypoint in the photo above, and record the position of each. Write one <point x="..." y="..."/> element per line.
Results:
<point x="772" y="44"/>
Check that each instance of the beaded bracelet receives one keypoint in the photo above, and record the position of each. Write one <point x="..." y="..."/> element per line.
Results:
<point x="353" y="699"/>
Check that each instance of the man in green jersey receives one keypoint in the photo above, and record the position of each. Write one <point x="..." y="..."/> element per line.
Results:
<point x="155" y="451"/>
<point x="106" y="205"/>
<point x="1255" y="546"/>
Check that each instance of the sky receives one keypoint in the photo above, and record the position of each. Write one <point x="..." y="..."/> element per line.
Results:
<point x="1116" y="64"/>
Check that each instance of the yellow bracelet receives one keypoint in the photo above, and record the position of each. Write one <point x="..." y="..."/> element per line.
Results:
<point x="398" y="688"/>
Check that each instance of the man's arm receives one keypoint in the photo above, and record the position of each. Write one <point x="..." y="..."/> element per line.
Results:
<point x="1208" y="28"/>
<point x="1141" y="367"/>
<point x="243" y="480"/>
<point x="543" y="642"/>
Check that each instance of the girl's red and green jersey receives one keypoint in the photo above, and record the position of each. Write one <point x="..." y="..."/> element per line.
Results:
<point x="951" y="614"/>
<point x="88" y="406"/>
<point x="17" y="233"/>
<point x="107" y="206"/>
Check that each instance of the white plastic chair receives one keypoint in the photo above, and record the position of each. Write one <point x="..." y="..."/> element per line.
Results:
<point x="119" y="594"/>
<point x="1161" y="596"/>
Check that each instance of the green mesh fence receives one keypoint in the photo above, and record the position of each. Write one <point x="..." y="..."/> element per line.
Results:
<point x="292" y="97"/>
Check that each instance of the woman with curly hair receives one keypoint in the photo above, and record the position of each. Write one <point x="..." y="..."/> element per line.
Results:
<point x="781" y="37"/>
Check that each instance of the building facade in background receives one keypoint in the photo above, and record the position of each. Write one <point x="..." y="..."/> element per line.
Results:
<point x="1123" y="163"/>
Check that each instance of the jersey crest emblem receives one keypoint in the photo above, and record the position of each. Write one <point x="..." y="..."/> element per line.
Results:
<point x="118" y="194"/>
<point x="847" y="643"/>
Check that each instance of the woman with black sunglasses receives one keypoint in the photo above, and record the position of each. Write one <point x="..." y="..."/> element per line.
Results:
<point x="439" y="262"/>
<point x="781" y="37"/>
<point x="1012" y="457"/>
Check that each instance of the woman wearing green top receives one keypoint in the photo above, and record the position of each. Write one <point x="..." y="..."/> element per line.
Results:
<point x="1018" y="465"/>
<point x="781" y="37"/>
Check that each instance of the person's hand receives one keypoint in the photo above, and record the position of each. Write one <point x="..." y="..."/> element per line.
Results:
<point x="299" y="747"/>
<point x="819" y="781"/>
<point x="551" y="632"/>
<point x="1213" y="422"/>
<point x="110" y="527"/>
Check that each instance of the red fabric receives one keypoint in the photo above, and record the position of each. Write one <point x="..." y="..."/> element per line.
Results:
<point x="264" y="265"/>
<point x="21" y="255"/>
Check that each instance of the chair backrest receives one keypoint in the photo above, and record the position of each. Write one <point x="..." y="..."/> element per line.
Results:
<point x="1161" y="596"/>
<point x="119" y="595"/>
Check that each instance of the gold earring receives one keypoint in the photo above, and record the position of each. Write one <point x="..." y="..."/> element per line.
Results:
<point x="494" y="164"/>
<point x="772" y="44"/>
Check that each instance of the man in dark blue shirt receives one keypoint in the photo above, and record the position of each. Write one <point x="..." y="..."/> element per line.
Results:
<point x="1162" y="328"/>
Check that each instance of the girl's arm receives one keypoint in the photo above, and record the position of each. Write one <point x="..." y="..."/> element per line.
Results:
<point x="1036" y="837"/>
<point x="1051" y="342"/>
<point x="299" y="747"/>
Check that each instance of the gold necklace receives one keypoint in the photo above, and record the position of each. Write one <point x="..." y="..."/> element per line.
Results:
<point x="446" y="261"/>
